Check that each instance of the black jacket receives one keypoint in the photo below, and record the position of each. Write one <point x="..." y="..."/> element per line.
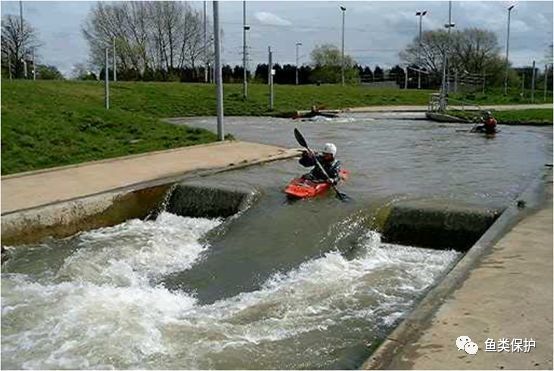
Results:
<point x="331" y="168"/>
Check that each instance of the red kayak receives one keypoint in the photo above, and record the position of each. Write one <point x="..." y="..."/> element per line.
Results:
<point x="303" y="188"/>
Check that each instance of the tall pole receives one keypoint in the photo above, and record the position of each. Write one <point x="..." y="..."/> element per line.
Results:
<point x="545" y="80"/>
<point x="21" y="34"/>
<point x="444" y="84"/>
<point x="296" y="72"/>
<point x="10" y="64"/>
<point x="114" y="62"/>
<point x="420" y="14"/>
<point x="270" y="77"/>
<point x="484" y="80"/>
<point x="507" y="51"/>
<point x="343" y="9"/>
<point x="533" y="75"/>
<point x="21" y="16"/>
<point x="244" y="28"/>
<point x="34" y="66"/>
<point x="106" y="80"/>
<point x="218" y="76"/>
<point x="456" y="81"/>
<point x="446" y="59"/>
<point x="523" y="83"/>
<point x="206" y="65"/>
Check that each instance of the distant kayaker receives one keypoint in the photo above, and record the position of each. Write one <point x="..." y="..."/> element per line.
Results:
<point x="489" y="124"/>
<point x="327" y="160"/>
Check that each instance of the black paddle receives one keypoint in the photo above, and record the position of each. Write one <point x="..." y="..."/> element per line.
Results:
<point x="300" y="139"/>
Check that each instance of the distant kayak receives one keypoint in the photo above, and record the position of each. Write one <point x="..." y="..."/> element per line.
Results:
<point x="305" y="188"/>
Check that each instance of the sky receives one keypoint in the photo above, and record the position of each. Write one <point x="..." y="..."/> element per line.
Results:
<point x="375" y="30"/>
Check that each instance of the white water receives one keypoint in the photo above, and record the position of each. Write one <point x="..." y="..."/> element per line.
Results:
<point x="102" y="307"/>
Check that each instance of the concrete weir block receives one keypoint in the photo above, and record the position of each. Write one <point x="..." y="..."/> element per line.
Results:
<point x="205" y="200"/>
<point x="69" y="217"/>
<point x="437" y="224"/>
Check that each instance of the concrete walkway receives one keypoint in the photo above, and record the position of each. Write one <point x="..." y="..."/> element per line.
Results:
<point x="424" y="108"/>
<point x="507" y="295"/>
<point x="20" y="191"/>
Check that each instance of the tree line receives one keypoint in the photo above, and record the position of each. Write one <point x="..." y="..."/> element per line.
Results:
<point x="153" y="39"/>
<point x="164" y="41"/>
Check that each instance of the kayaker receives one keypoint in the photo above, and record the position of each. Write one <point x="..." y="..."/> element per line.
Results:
<point x="327" y="160"/>
<point x="489" y="124"/>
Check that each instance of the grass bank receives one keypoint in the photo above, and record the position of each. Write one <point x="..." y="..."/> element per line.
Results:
<point x="47" y="124"/>
<point x="496" y="96"/>
<point x="537" y="116"/>
<point x="52" y="123"/>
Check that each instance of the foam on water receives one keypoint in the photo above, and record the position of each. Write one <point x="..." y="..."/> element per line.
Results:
<point x="104" y="309"/>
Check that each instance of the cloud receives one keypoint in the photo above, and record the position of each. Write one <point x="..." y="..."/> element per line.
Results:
<point x="270" y="18"/>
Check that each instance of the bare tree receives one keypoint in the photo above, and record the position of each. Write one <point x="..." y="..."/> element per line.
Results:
<point x="473" y="49"/>
<point x="430" y="54"/>
<point x="470" y="51"/>
<point x="18" y="42"/>
<point x="158" y="35"/>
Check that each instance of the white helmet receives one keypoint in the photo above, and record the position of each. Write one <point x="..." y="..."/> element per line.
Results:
<point x="330" y="148"/>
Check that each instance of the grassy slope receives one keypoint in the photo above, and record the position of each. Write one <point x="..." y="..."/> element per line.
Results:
<point x="526" y="116"/>
<point x="496" y="96"/>
<point x="51" y="123"/>
<point x="47" y="124"/>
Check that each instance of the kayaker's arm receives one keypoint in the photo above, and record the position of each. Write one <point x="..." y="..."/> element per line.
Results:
<point x="307" y="159"/>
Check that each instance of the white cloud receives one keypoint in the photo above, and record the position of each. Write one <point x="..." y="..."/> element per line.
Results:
<point x="270" y="18"/>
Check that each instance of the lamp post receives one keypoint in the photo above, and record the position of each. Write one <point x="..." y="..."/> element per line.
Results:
<point x="445" y="71"/>
<point x="420" y="15"/>
<point x="507" y="50"/>
<point x="206" y="65"/>
<point x="297" y="46"/>
<point x="343" y="9"/>
<point x="114" y="62"/>
<point x="245" y="28"/>
<point x="217" y="72"/>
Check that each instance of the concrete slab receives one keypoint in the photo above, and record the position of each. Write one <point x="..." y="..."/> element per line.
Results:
<point x="507" y="295"/>
<point x="33" y="189"/>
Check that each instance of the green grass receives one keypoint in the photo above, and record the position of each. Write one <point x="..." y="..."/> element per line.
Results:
<point x="526" y="116"/>
<point x="52" y="123"/>
<point x="496" y="96"/>
<point x="47" y="124"/>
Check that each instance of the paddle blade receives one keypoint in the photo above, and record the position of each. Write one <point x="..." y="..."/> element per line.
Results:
<point x="300" y="138"/>
<point x="342" y="196"/>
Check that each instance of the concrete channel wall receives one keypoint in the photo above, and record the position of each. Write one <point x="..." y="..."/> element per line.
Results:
<point x="67" y="218"/>
<point x="415" y="322"/>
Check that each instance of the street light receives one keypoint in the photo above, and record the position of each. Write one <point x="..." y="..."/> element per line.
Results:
<point x="444" y="89"/>
<point x="507" y="51"/>
<point x="420" y="15"/>
<point x="245" y="28"/>
<point x="217" y="72"/>
<point x="343" y="9"/>
<point x="297" y="46"/>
